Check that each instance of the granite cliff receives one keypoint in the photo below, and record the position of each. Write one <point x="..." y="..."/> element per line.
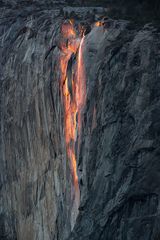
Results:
<point x="114" y="135"/>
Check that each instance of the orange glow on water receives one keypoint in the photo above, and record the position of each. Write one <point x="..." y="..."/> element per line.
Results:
<point x="72" y="46"/>
<point x="81" y="84"/>
<point x="68" y="30"/>
<point x="73" y="96"/>
<point x="99" y="24"/>
<point x="73" y="90"/>
<point x="71" y="154"/>
<point x="73" y="103"/>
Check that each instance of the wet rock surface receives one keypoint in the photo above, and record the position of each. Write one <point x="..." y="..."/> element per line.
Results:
<point x="118" y="164"/>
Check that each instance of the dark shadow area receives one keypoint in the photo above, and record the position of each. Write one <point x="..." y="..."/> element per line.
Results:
<point x="157" y="237"/>
<point x="135" y="10"/>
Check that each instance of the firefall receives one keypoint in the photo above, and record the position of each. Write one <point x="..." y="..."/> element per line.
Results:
<point x="74" y="100"/>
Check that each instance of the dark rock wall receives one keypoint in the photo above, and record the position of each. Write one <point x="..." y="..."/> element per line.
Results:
<point x="118" y="165"/>
<point x="34" y="203"/>
<point x="120" y="155"/>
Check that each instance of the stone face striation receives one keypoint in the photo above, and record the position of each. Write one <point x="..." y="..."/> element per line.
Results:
<point x="119" y="160"/>
<point x="118" y="163"/>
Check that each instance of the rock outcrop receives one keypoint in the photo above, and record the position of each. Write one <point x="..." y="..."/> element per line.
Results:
<point x="118" y="162"/>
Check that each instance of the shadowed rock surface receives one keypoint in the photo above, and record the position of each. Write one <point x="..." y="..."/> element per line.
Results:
<point x="118" y="165"/>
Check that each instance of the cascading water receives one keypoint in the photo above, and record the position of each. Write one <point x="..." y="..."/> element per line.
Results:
<point x="74" y="99"/>
<point x="74" y="95"/>
<point x="81" y="83"/>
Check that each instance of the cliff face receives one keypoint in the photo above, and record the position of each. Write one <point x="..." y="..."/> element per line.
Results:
<point x="34" y="170"/>
<point x="119" y="155"/>
<point x="118" y="152"/>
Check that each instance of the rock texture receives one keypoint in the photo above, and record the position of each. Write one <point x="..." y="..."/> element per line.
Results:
<point x="120" y="154"/>
<point x="118" y="165"/>
<point x="34" y="171"/>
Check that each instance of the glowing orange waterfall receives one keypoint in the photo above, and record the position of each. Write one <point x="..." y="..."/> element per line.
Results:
<point x="73" y="93"/>
<point x="70" y="112"/>
<point x="73" y="103"/>
<point x="73" y="86"/>
<point x="81" y="83"/>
